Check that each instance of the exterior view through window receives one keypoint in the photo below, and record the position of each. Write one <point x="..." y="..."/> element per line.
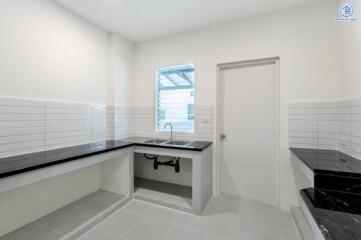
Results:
<point x="175" y="98"/>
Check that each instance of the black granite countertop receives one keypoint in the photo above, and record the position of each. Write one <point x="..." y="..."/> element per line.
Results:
<point x="337" y="214"/>
<point x="335" y="200"/>
<point x="28" y="162"/>
<point x="329" y="161"/>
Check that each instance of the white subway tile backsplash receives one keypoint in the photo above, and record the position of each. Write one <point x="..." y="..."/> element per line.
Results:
<point x="34" y="125"/>
<point x="327" y="126"/>
<point x="305" y="105"/>
<point x="23" y="120"/>
<point x="356" y="102"/>
<point x="338" y="125"/>
<point x="303" y="125"/>
<point x="5" y="150"/>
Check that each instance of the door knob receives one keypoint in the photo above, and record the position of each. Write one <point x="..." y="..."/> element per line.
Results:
<point x="223" y="136"/>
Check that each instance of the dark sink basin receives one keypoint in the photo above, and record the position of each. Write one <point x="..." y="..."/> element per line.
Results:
<point x="156" y="141"/>
<point x="177" y="143"/>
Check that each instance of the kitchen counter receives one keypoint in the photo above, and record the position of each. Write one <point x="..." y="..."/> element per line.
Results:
<point x="335" y="200"/>
<point x="192" y="146"/>
<point x="28" y="162"/>
<point x="338" y="215"/>
<point x="329" y="161"/>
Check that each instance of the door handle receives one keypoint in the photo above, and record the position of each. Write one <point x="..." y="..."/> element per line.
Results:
<point x="223" y="136"/>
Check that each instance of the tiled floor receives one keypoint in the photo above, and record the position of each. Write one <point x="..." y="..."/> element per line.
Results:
<point x="64" y="221"/>
<point x="225" y="218"/>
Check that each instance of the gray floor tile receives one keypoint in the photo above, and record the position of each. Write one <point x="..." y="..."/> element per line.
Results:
<point x="20" y="233"/>
<point x="181" y="233"/>
<point x="164" y="214"/>
<point x="42" y="234"/>
<point x="148" y="229"/>
<point x="67" y="219"/>
<point x="138" y="207"/>
<point x="190" y="221"/>
<point x="226" y="218"/>
<point x="213" y="237"/>
<point x="100" y="201"/>
<point x="32" y="232"/>
<point x="230" y="226"/>
<point x="119" y="223"/>
<point x="97" y="235"/>
<point x="224" y="204"/>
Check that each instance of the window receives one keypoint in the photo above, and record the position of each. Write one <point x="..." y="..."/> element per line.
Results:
<point x="175" y="98"/>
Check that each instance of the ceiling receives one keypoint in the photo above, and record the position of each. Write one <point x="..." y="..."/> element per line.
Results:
<point x="141" y="20"/>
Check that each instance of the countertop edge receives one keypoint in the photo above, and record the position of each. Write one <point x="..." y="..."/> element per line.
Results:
<point x="81" y="156"/>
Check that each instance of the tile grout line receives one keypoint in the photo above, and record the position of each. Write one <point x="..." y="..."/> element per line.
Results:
<point x="50" y="229"/>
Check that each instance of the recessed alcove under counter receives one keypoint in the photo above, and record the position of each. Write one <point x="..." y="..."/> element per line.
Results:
<point x="176" y="178"/>
<point x="67" y="190"/>
<point x="162" y="184"/>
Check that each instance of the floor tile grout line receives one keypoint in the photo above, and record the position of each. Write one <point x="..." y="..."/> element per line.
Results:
<point x="50" y="229"/>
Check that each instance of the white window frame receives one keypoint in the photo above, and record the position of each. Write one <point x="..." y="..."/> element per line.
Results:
<point x="167" y="130"/>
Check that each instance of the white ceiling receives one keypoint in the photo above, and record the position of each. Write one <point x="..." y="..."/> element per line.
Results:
<point x="140" y="20"/>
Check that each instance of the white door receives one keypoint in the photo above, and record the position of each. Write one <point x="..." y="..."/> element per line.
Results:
<point x="250" y="123"/>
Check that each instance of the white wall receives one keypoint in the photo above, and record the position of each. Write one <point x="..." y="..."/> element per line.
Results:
<point x="120" y="69"/>
<point x="350" y="54"/>
<point x="48" y="52"/>
<point x="305" y="39"/>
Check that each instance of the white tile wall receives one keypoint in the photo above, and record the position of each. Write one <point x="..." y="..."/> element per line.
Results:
<point x="34" y="125"/>
<point x="345" y="129"/>
<point x="303" y="125"/>
<point x="21" y="126"/>
<point x="356" y="128"/>
<point x="99" y="123"/>
<point x="123" y="126"/>
<point x="326" y="125"/>
<point x="143" y="124"/>
<point x="328" y="122"/>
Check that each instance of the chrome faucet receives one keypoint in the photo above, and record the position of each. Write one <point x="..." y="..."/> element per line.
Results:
<point x="171" y="130"/>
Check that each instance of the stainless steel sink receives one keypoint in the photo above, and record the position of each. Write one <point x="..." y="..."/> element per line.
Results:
<point x="177" y="143"/>
<point x="156" y="141"/>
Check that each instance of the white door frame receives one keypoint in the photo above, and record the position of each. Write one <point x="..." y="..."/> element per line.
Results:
<point x="219" y="115"/>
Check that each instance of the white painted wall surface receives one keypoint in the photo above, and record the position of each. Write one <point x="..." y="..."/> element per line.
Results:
<point x="305" y="39"/>
<point x="49" y="52"/>
<point x="350" y="54"/>
<point x="120" y="70"/>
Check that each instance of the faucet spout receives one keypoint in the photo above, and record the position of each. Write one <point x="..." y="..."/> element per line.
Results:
<point x="171" y="130"/>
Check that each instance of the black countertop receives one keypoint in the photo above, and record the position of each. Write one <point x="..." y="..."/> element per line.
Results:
<point x="329" y="161"/>
<point x="337" y="213"/>
<point x="28" y="162"/>
<point x="335" y="200"/>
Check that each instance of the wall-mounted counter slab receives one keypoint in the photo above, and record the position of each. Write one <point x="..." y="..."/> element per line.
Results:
<point x="336" y="214"/>
<point x="328" y="161"/>
<point x="29" y="162"/>
<point x="332" y="204"/>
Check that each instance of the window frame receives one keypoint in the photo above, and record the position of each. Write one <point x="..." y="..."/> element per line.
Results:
<point x="167" y="130"/>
